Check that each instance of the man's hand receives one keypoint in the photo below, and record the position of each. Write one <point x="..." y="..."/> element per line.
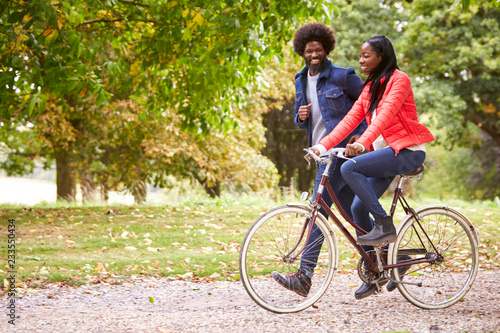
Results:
<point x="354" y="138"/>
<point x="304" y="111"/>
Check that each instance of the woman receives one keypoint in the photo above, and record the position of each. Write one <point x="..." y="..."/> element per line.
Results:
<point x="394" y="136"/>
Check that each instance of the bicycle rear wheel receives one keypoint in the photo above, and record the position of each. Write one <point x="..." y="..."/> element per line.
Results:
<point x="449" y="241"/>
<point x="264" y="250"/>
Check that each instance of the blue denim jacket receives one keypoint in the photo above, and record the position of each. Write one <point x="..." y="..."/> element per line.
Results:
<point x="338" y="88"/>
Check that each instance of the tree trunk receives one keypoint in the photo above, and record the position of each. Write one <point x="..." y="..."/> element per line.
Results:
<point x="213" y="191"/>
<point x="104" y="193"/>
<point x="306" y="179"/>
<point x="66" y="181"/>
<point x="87" y="186"/>
<point x="139" y="191"/>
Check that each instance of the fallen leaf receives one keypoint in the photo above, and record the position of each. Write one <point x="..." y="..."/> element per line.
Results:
<point x="91" y="292"/>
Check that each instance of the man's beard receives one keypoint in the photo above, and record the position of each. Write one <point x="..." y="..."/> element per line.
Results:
<point x="317" y="68"/>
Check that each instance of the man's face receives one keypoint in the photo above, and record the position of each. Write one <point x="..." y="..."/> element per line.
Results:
<point x="315" y="57"/>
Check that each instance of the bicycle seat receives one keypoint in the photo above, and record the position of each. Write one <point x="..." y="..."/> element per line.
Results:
<point x="419" y="170"/>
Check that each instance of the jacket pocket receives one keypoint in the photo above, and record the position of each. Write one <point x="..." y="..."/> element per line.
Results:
<point x="335" y="99"/>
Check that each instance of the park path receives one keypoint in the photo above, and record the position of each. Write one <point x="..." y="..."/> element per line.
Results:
<point x="183" y="306"/>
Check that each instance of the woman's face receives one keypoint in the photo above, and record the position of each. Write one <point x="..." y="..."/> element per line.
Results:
<point x="368" y="59"/>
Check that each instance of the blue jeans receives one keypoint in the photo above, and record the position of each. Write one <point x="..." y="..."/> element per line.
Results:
<point x="369" y="177"/>
<point x="345" y="197"/>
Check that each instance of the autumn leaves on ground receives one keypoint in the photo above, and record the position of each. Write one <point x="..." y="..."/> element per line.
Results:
<point x="89" y="245"/>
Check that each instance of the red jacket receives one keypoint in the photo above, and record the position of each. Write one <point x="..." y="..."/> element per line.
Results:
<point x="396" y="118"/>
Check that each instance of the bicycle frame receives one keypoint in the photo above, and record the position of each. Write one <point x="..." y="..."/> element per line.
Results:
<point x="319" y="202"/>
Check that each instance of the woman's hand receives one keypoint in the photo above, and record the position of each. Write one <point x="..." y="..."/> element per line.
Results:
<point x="315" y="150"/>
<point x="353" y="149"/>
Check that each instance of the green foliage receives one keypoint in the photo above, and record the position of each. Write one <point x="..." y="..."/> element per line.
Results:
<point x="194" y="57"/>
<point x="455" y="54"/>
<point x="100" y="81"/>
<point x="356" y="23"/>
<point x="467" y="3"/>
<point x="446" y="174"/>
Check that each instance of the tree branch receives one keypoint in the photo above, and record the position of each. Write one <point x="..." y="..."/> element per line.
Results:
<point x="114" y="20"/>
<point x="134" y="3"/>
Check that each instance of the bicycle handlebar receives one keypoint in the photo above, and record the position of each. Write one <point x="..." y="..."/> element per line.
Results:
<point x="335" y="152"/>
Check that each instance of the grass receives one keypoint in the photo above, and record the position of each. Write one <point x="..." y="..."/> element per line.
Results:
<point x="200" y="240"/>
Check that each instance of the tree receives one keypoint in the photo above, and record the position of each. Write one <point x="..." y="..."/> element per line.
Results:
<point x="200" y="55"/>
<point x="284" y="146"/>
<point x="453" y="56"/>
<point x="467" y="3"/>
<point x="456" y="62"/>
<point x="196" y="59"/>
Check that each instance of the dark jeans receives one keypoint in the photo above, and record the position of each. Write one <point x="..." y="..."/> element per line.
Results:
<point x="345" y="197"/>
<point x="369" y="177"/>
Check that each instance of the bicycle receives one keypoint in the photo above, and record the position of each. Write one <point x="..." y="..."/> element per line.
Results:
<point x="433" y="262"/>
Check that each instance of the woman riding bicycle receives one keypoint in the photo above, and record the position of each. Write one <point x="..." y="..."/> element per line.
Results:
<point x="394" y="136"/>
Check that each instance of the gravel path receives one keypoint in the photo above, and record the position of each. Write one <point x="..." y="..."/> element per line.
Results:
<point x="181" y="306"/>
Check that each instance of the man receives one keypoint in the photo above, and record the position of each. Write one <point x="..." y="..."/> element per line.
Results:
<point x="324" y="93"/>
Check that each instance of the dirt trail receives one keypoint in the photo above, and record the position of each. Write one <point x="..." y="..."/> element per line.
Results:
<point x="180" y="306"/>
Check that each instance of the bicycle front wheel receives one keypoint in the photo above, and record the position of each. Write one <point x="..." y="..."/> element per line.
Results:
<point x="449" y="242"/>
<point x="266" y="249"/>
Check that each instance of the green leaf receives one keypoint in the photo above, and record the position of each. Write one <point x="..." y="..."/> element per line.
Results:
<point x="101" y="98"/>
<point x="31" y="106"/>
<point x="16" y="17"/>
<point x="17" y="61"/>
<point x="151" y="299"/>
<point x="465" y="5"/>
<point x="41" y="105"/>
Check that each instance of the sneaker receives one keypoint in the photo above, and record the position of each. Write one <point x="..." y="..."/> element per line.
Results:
<point x="392" y="285"/>
<point x="298" y="282"/>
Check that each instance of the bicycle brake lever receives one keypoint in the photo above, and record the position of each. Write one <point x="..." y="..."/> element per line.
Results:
<point x="341" y="154"/>
<point x="306" y="156"/>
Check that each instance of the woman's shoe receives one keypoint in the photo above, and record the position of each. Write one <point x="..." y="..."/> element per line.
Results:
<point x="383" y="231"/>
